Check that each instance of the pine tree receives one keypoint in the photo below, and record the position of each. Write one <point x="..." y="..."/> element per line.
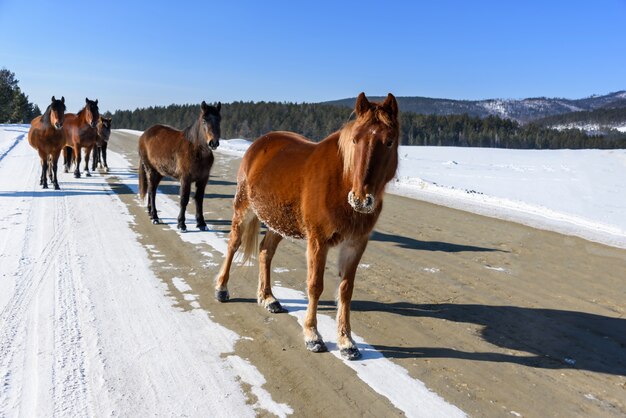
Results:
<point x="8" y="83"/>
<point x="22" y="109"/>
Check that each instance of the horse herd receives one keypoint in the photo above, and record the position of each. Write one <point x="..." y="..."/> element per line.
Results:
<point x="329" y="193"/>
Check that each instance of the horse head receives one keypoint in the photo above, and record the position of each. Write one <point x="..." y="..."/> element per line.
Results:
<point x="369" y="146"/>
<point x="104" y="129"/>
<point x="92" y="113"/>
<point x="211" y="119"/>
<point x="57" y="112"/>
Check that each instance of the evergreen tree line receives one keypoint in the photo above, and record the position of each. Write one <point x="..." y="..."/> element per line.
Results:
<point x="14" y="104"/>
<point x="250" y="120"/>
<point x="602" y="117"/>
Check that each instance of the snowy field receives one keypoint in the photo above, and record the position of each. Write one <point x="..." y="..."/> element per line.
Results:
<point x="80" y="336"/>
<point x="574" y="192"/>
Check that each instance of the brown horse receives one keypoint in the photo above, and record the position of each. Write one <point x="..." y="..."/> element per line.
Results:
<point x="185" y="155"/>
<point x="100" y="150"/>
<point x="80" y="132"/>
<point x="47" y="137"/>
<point x="330" y="193"/>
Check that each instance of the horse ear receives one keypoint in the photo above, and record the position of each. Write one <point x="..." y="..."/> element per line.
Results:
<point x="219" y="106"/>
<point x="204" y="106"/>
<point x="391" y="105"/>
<point x="86" y="100"/>
<point x="62" y="99"/>
<point x="362" y="104"/>
<point x="96" y="102"/>
<point x="53" y="99"/>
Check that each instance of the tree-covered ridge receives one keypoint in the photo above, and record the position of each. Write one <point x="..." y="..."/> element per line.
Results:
<point x="14" y="104"/>
<point x="250" y="120"/>
<point x="603" y="117"/>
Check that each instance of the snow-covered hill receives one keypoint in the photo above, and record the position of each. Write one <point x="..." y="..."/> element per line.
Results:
<point x="521" y="110"/>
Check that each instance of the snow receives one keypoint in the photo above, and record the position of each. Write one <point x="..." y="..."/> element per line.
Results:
<point x="573" y="192"/>
<point x="590" y="128"/>
<point x="83" y="336"/>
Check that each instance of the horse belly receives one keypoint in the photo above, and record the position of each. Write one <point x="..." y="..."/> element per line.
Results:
<point x="280" y="216"/>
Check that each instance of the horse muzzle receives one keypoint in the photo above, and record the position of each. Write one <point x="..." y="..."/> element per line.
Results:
<point x="366" y="205"/>
<point x="214" y="144"/>
<point x="58" y="126"/>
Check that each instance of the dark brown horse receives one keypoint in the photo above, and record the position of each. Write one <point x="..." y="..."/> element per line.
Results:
<point x="330" y="193"/>
<point x="47" y="137"/>
<point x="185" y="155"/>
<point x="100" y="150"/>
<point x="80" y="132"/>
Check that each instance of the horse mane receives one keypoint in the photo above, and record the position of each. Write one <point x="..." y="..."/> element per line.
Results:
<point x="45" y="118"/>
<point x="192" y="133"/>
<point x="346" y="146"/>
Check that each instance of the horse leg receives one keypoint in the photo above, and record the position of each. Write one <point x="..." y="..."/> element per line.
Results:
<point x="104" y="157"/>
<point x="350" y="254"/>
<point x="87" y="155"/>
<point x="67" y="158"/>
<point x="50" y="175"/>
<point x="96" y="158"/>
<point x="266" y="253"/>
<point x="240" y="215"/>
<point x="77" y="156"/>
<point x="43" y="181"/>
<point x="154" y="178"/>
<point x="55" y="162"/>
<point x="198" y="197"/>
<point x="185" y="190"/>
<point x="316" y="262"/>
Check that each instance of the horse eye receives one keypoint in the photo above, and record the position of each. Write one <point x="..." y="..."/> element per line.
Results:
<point x="389" y="143"/>
<point x="354" y="140"/>
<point x="204" y="122"/>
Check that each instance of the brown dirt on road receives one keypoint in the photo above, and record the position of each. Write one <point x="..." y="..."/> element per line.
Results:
<point x="497" y="318"/>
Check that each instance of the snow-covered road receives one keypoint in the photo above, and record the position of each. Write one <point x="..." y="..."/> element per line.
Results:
<point x="86" y="329"/>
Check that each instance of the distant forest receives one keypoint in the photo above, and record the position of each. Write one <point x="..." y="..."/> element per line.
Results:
<point x="250" y="120"/>
<point x="602" y="117"/>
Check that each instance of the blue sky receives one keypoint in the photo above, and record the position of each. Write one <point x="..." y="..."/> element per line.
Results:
<point x="135" y="54"/>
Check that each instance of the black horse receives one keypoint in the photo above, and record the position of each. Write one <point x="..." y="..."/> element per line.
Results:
<point x="102" y="142"/>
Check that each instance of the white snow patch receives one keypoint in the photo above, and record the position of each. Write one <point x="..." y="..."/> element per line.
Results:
<point x="385" y="377"/>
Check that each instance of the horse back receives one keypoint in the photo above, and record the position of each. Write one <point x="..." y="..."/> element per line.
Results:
<point x="78" y="131"/>
<point x="275" y="155"/>
<point x="165" y="149"/>
<point x="276" y="175"/>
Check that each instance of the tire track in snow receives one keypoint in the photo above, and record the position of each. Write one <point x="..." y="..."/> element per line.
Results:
<point x="32" y="270"/>
<point x="45" y="264"/>
<point x="69" y="372"/>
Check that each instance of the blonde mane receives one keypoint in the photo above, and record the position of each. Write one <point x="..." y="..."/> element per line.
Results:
<point x="346" y="145"/>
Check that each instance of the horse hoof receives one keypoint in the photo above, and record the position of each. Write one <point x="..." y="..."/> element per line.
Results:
<point x="65" y="170"/>
<point x="317" y="346"/>
<point x="88" y="174"/>
<point x="45" y="186"/>
<point x="182" y="228"/>
<point x="203" y="228"/>
<point x="77" y="175"/>
<point x="350" y="353"/>
<point x="222" y="295"/>
<point x="155" y="222"/>
<point x="276" y="307"/>
<point x="56" y="187"/>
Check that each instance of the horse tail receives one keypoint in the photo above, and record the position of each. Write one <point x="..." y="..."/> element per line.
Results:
<point x="250" y="235"/>
<point x="143" y="181"/>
